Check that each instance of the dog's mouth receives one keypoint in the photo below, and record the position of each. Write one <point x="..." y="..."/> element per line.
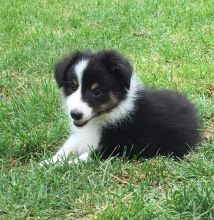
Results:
<point x="82" y="123"/>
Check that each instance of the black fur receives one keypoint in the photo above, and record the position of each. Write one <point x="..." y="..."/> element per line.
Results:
<point x="164" y="123"/>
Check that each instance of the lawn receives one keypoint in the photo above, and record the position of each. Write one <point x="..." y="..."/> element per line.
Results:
<point x="171" y="45"/>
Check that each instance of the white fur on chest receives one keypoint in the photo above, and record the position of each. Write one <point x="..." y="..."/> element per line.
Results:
<point x="87" y="137"/>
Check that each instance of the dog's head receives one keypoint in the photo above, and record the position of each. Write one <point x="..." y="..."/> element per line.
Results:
<point x="93" y="83"/>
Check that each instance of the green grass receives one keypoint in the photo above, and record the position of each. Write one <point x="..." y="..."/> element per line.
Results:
<point x="171" y="45"/>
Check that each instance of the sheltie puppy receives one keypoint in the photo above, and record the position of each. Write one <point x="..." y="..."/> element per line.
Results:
<point x="114" y="115"/>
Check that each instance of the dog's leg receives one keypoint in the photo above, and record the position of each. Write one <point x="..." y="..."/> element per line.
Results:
<point x="69" y="146"/>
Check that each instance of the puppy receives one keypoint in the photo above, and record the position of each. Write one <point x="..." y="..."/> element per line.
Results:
<point x="113" y="115"/>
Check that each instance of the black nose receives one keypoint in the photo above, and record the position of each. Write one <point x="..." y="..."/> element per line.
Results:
<point x="76" y="115"/>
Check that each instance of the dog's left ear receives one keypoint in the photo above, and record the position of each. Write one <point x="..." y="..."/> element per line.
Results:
<point x="119" y="66"/>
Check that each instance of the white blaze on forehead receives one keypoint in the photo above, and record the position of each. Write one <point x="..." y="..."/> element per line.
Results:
<point x="79" y="69"/>
<point x="75" y="101"/>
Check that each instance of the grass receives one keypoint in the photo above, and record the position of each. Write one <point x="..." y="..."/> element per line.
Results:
<point x="170" y="44"/>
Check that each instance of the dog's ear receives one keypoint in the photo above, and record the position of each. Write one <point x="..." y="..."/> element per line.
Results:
<point x="118" y="65"/>
<point x="60" y="69"/>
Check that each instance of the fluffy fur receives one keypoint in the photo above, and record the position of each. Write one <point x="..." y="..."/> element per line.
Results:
<point x="116" y="116"/>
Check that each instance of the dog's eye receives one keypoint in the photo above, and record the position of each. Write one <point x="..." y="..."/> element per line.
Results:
<point x="73" y="87"/>
<point x="96" y="92"/>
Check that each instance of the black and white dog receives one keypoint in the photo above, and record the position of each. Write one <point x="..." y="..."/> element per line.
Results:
<point x="115" y="116"/>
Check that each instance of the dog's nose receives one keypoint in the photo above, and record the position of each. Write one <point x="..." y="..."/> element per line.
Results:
<point x="76" y="115"/>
